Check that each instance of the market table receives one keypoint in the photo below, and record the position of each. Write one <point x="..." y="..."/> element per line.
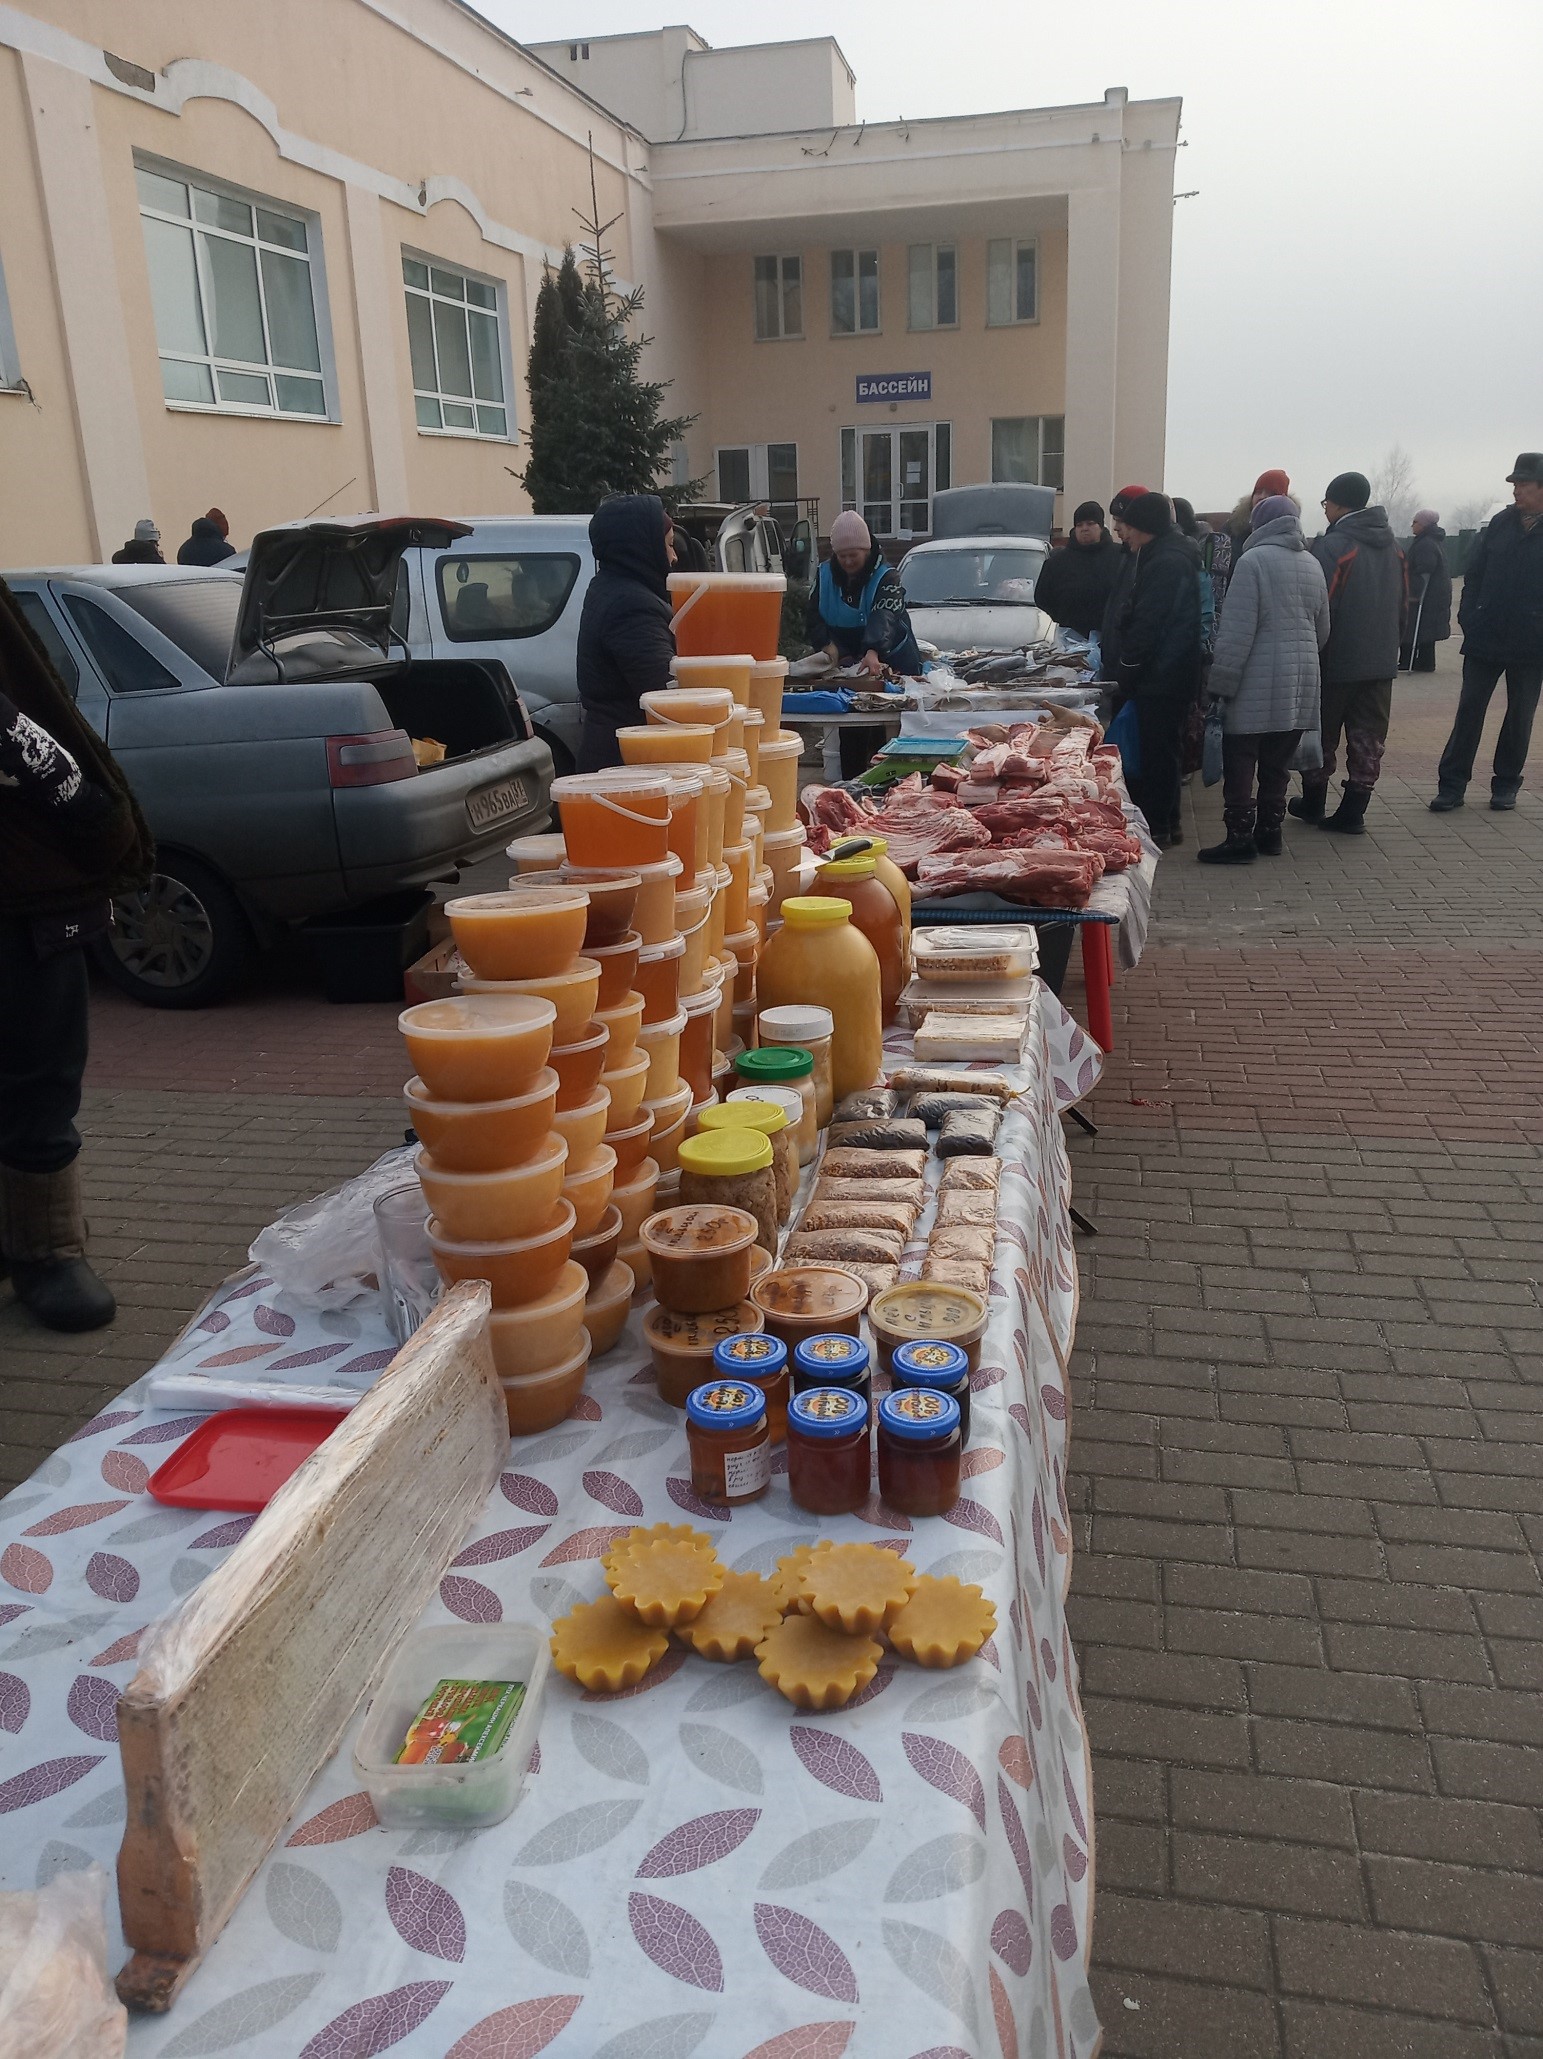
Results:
<point x="830" y="726"/>
<point x="696" y="1866"/>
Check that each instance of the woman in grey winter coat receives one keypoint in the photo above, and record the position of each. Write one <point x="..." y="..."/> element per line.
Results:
<point x="1265" y="673"/>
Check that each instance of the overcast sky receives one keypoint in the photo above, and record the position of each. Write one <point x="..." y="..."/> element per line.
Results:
<point x="1363" y="262"/>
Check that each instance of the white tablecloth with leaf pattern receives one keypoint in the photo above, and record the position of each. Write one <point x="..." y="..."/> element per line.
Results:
<point x="695" y="1867"/>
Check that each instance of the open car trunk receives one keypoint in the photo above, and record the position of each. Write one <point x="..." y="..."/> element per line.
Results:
<point x="466" y="704"/>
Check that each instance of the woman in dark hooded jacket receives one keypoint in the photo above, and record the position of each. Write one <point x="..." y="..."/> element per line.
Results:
<point x="70" y="838"/>
<point x="625" y="639"/>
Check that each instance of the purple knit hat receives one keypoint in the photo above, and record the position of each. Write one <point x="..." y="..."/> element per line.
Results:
<point x="1272" y="509"/>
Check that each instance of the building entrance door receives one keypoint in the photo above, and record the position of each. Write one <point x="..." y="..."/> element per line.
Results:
<point x="890" y="475"/>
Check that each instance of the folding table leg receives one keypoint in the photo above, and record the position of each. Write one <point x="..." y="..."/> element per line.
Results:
<point x="1097" y="972"/>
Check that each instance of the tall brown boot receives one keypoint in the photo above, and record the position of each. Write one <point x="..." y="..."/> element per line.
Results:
<point x="43" y="1232"/>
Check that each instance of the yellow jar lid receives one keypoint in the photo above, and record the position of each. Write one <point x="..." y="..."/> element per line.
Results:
<point x="726" y="1154"/>
<point x="764" y="1116"/>
<point x="863" y="866"/>
<point x="815" y="911"/>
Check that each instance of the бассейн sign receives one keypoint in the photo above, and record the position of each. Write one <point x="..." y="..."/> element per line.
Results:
<point x="894" y="386"/>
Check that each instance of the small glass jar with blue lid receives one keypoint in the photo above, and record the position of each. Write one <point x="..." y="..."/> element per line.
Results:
<point x="833" y="1360"/>
<point x="929" y="1362"/>
<point x="919" y="1451"/>
<point x="830" y="1466"/>
<point x="726" y="1435"/>
<point x="754" y="1355"/>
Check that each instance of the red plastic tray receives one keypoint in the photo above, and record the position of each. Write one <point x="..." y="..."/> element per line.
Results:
<point x="241" y="1457"/>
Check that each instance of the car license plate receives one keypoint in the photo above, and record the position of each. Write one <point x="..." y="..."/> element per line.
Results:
<point x="493" y="803"/>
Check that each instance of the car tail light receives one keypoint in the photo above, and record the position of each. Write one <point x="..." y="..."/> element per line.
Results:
<point x="370" y="760"/>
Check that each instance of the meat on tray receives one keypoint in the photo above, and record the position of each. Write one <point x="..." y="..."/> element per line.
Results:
<point x="1032" y="878"/>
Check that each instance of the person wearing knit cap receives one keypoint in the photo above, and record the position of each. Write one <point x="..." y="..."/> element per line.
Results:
<point x="1118" y="604"/>
<point x="1269" y="484"/>
<point x="1159" y="661"/>
<point x="1076" y="581"/>
<point x="1368" y="592"/>
<point x="1430" y="593"/>
<point x="143" y="547"/>
<point x="209" y="542"/>
<point x="1265" y="674"/>
<point x="857" y="616"/>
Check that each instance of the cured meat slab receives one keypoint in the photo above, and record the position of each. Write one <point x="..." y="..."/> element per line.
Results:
<point x="245" y="1690"/>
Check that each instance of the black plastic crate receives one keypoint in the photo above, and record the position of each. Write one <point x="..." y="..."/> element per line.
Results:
<point x="362" y="954"/>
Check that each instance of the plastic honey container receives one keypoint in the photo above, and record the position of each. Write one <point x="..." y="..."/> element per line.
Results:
<point x="768" y="679"/>
<point x="483" y="1136"/>
<point x="607" y="1307"/>
<point x="801" y="1301"/>
<point x="732" y="672"/>
<point x="545" y="1332"/>
<point x="633" y="1198"/>
<point x="784" y="851"/>
<point x="478" y="1047"/>
<point x="517" y="1269"/>
<point x="573" y="992"/>
<point x="682" y="743"/>
<point x="626" y="1084"/>
<point x="488" y="1207"/>
<point x="669" y="1112"/>
<point x="535" y="931"/>
<point x="700" y="1256"/>
<point x="682" y="1345"/>
<point x="596" y="1253"/>
<point x="588" y="1187"/>
<point x="578" y="1065"/>
<point x="618" y="818"/>
<point x="661" y="1042"/>
<point x="727" y="611"/>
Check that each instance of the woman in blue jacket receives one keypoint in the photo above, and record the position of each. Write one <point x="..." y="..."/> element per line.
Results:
<point x="857" y="616"/>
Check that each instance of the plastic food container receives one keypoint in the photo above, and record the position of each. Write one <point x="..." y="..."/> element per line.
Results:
<point x="626" y="1086"/>
<point x="768" y="678"/>
<point x="540" y="1401"/>
<point x="621" y="1025"/>
<point x="597" y="1251"/>
<point x="634" y="1198"/>
<point x="716" y="926"/>
<point x="634" y="1257"/>
<point x="544" y="1333"/>
<point x="661" y="1041"/>
<point x="658" y="978"/>
<point x="486" y="1207"/>
<point x="583" y="1128"/>
<point x="652" y="913"/>
<point x="525" y="934"/>
<point x="669" y="1112"/>
<point x="682" y="1345"/>
<point x="483" y="1136"/>
<point x="687" y="827"/>
<point x="799" y="1301"/>
<point x="618" y="964"/>
<point x="690" y="707"/>
<point x="957" y="1039"/>
<point x="926" y="1311"/>
<point x="613" y="900"/>
<point x="784" y="849"/>
<point x="736" y="907"/>
<point x="779" y="775"/>
<point x="696" y="1040"/>
<point x="744" y="947"/>
<point x="715" y="800"/>
<point x="760" y="900"/>
<point x="694" y="913"/>
<point x="619" y="817"/>
<point x="573" y="992"/>
<point x="681" y="743"/>
<point x="607" y="1309"/>
<point x="588" y="1187"/>
<point x="962" y="953"/>
<point x="700" y="1256"/>
<point x="578" y="1064"/>
<point x="478" y="1047"/>
<point x="737" y="766"/>
<point x="732" y="672"/>
<point x="920" y="998"/>
<point x="455" y="1797"/>
<point x="727" y="611"/>
<point x="535" y="854"/>
<point x="517" y="1269"/>
<point x="630" y="1143"/>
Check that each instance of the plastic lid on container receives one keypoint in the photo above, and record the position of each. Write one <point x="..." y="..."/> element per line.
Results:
<point x="767" y="1118"/>
<point x="750" y="1355"/>
<point x="678" y="1332"/>
<point x="669" y="947"/>
<point x="726" y="1405"/>
<point x="798" y="1022"/>
<point x="480" y="1014"/>
<point x="558" y="1224"/>
<point x="792" y="839"/>
<point x="708" y="995"/>
<point x="613" y="1289"/>
<point x="861" y="865"/>
<point x="786" y="1098"/>
<point x="669" y="1108"/>
<point x="671" y="1026"/>
<point x="833" y="1357"/>
<point x="536" y="892"/>
<point x="930" y="1362"/>
<point x="736" y="762"/>
<point x="417" y="1095"/>
<point x="552" y="1151"/>
<point x="810" y="1293"/>
<point x="645" y="1174"/>
<point x="726" y="1154"/>
<point x="659" y="868"/>
<point x="785" y="743"/>
<point x="919" y="1414"/>
<point x="727" y="658"/>
<point x="767" y="665"/>
<point x="774" y="1064"/>
<point x="687" y="578"/>
<point x="626" y="779"/>
<point x="757" y="801"/>
<point x="569" y="1290"/>
<point x="634" y="1063"/>
<point x="930" y="1309"/>
<point x="828" y="1412"/>
<point x="816" y="911"/>
<point x="547" y="848"/>
<point x="702" y="1230"/>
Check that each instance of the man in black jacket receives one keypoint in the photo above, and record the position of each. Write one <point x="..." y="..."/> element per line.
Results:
<point x="625" y="639"/>
<point x="1160" y="657"/>
<point x="1501" y="617"/>
<point x="1075" y="583"/>
<point x="1430" y="593"/>
<point x="209" y="541"/>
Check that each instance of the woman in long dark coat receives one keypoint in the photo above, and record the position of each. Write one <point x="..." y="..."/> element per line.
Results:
<point x="1429" y="620"/>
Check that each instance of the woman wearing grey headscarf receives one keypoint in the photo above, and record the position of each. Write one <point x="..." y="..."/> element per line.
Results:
<point x="1264" y="671"/>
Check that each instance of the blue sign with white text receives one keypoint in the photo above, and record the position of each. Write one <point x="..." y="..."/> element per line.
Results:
<point x="894" y="386"/>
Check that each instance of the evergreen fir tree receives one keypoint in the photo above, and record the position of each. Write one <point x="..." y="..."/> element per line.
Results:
<point x="595" y="424"/>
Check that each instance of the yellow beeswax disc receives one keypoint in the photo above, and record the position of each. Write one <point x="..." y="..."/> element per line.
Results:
<point x="815" y="1667"/>
<point x="667" y="1582"/>
<point x="736" y="1619"/>
<point x="604" y="1647"/>
<point x="856" y="1588"/>
<point x="788" y="1578"/>
<point x="656" y="1533"/>
<point x="944" y="1623"/>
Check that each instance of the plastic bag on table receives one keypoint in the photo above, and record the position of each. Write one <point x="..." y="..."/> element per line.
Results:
<point x="1211" y="750"/>
<point x="323" y="1253"/>
<point x="55" y="1996"/>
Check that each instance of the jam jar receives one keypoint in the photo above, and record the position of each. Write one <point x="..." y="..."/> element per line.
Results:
<point x="730" y="1450"/>
<point x="829" y="1462"/>
<point x="932" y="1363"/>
<point x="833" y="1361"/>
<point x="762" y="1361"/>
<point x="919" y="1451"/>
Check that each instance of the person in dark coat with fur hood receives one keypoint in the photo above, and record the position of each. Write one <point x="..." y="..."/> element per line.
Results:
<point x="71" y="837"/>
<point x="625" y="639"/>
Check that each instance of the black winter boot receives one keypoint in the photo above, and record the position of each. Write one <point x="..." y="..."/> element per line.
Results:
<point x="1237" y="847"/>
<point x="1267" y="840"/>
<point x="43" y="1233"/>
<point x="1310" y="803"/>
<point x="1349" y="818"/>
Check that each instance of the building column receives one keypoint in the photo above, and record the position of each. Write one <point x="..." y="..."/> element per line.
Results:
<point x="376" y="308"/>
<point x="1092" y="341"/>
<point x="96" y="344"/>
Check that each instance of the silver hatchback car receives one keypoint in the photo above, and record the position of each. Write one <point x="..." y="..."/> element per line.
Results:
<point x="292" y="757"/>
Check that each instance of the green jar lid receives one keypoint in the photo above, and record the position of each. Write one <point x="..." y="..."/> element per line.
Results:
<point x="774" y="1064"/>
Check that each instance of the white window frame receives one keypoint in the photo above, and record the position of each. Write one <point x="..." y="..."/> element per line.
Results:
<point x="759" y="455"/>
<point x="11" y="380"/>
<point x="1013" y="245"/>
<point x="1049" y="440"/>
<point x="500" y="313"/>
<point x="860" y="328"/>
<point x="781" y="259"/>
<point x="321" y="308"/>
<point x="928" y="254"/>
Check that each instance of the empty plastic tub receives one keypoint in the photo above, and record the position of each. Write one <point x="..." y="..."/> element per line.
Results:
<point x="607" y="1309"/>
<point x="626" y="1086"/>
<point x="621" y="1025"/>
<point x="618" y="817"/>
<point x="779" y="775"/>
<point x="583" y="1128"/>
<point x="572" y="992"/>
<point x="661" y="1042"/>
<point x="579" y="1065"/>
<point x="588" y="1187"/>
<point x="596" y="1252"/>
<point x="523" y="934"/>
<point x="633" y="1199"/>
<point x="478" y="1047"/>
<point x="717" y="612"/>
<point x="517" y="1269"/>
<point x="618" y="965"/>
<point x="487" y="1207"/>
<point x="483" y="1136"/>
<point x="543" y="1333"/>
<point x="658" y="978"/>
<point x="540" y="1401"/>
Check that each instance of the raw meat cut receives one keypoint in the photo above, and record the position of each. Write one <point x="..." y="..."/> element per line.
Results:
<point x="1033" y="878"/>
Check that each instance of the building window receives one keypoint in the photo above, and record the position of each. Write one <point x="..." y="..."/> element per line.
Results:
<point x="934" y="286"/>
<point x="854" y="292"/>
<point x="890" y="475"/>
<point x="734" y="475"/>
<point x="457" y="351"/>
<point x="1029" y="450"/>
<point x="779" y="298"/>
<point x="235" y="299"/>
<point x="10" y="360"/>
<point x="761" y="472"/>
<point x="1012" y="282"/>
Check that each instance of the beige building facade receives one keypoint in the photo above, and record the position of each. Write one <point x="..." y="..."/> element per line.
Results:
<point x="284" y="259"/>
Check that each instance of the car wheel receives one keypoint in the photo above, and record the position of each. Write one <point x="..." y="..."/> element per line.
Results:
<point x="181" y="941"/>
<point x="562" y="758"/>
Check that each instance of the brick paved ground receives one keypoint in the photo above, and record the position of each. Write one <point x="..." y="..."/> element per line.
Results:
<point x="1308" y="1443"/>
